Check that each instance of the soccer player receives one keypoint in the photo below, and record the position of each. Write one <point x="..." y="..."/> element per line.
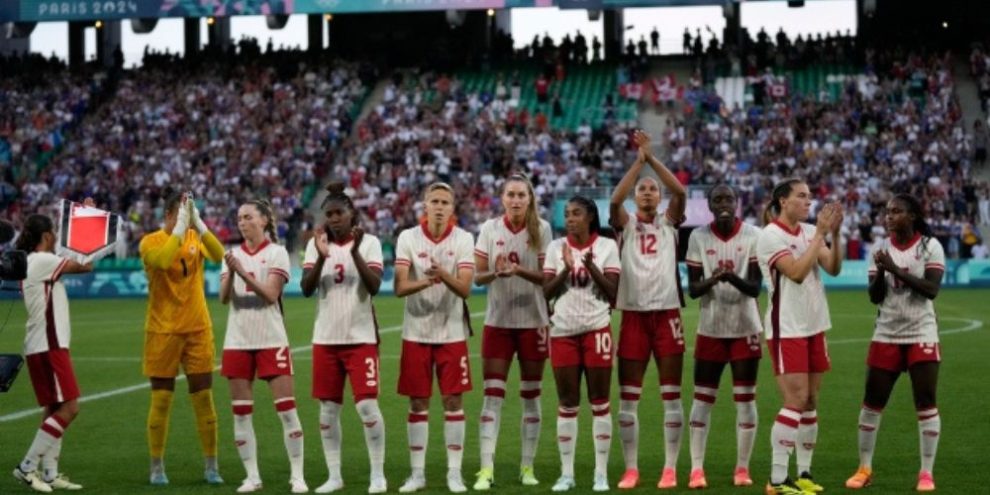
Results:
<point x="790" y="253"/>
<point x="905" y="276"/>
<point x="433" y="271"/>
<point x="723" y="272"/>
<point x="178" y="329"/>
<point x="650" y="299"/>
<point x="46" y="348"/>
<point x="581" y="276"/>
<point x="509" y="258"/>
<point x="256" y="344"/>
<point x="343" y="267"/>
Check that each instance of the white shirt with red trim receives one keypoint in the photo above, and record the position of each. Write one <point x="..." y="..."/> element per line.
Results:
<point x="581" y="307"/>
<point x="434" y="315"/>
<point x="650" y="279"/>
<point x="794" y="309"/>
<point x="344" y="310"/>
<point x="47" y="305"/>
<point x="252" y="323"/>
<point x="725" y="311"/>
<point x="904" y="316"/>
<point x="513" y="302"/>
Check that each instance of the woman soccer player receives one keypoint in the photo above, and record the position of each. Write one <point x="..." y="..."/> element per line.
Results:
<point x="178" y="329"/>
<point x="509" y="258"/>
<point x="723" y="271"/>
<point x="581" y="275"/>
<point x="343" y="266"/>
<point x="433" y="271"/>
<point x="256" y="344"/>
<point x="790" y="252"/>
<point x="905" y="277"/>
<point x="46" y="348"/>
<point x="650" y="299"/>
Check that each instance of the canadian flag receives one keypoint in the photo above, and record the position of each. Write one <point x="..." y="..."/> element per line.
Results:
<point x="778" y="89"/>
<point x="86" y="233"/>
<point x="665" y="89"/>
<point x="631" y="91"/>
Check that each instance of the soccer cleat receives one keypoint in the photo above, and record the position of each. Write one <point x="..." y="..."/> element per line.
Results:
<point x="788" y="487"/>
<point x="668" y="479"/>
<point x="332" y="485"/>
<point x="297" y="485"/>
<point x="741" y="477"/>
<point x="925" y="482"/>
<point x="629" y="480"/>
<point x="807" y="483"/>
<point x="249" y="486"/>
<point x="61" y="482"/>
<point x="378" y="485"/>
<point x="32" y="479"/>
<point x="563" y="484"/>
<point x="697" y="479"/>
<point x="212" y="476"/>
<point x="527" y="477"/>
<point x="158" y="478"/>
<point x="413" y="484"/>
<point x="455" y="482"/>
<point x="486" y="478"/>
<point x="601" y="483"/>
<point x="862" y="478"/>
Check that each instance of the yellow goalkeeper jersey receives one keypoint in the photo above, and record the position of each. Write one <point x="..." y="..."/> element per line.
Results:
<point x="176" y="291"/>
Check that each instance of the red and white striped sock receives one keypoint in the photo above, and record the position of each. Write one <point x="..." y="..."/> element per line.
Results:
<point x="744" y="395"/>
<point x="783" y="436"/>
<point x="701" y="412"/>
<point x="601" y="428"/>
<point x="629" y="422"/>
<point x="491" y="418"/>
<point x="51" y="430"/>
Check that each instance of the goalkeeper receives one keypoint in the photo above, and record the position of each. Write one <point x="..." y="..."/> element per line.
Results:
<point x="178" y="329"/>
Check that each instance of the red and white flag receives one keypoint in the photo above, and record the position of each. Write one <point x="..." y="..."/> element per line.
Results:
<point x="86" y="233"/>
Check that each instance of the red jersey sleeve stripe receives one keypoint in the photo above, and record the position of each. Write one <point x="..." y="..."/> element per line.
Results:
<point x="692" y="263"/>
<point x="374" y="264"/>
<point x="403" y="262"/>
<point x="58" y="270"/>
<point x="613" y="270"/>
<point x="938" y="266"/>
<point x="478" y="252"/>
<point x="307" y="266"/>
<point x="281" y="273"/>
<point x="777" y="256"/>
<point x="465" y="265"/>
<point x="549" y="272"/>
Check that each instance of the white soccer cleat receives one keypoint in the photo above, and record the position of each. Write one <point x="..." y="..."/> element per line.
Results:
<point x="601" y="483"/>
<point x="455" y="482"/>
<point x="61" y="482"/>
<point x="249" y="486"/>
<point x="378" y="485"/>
<point x="332" y="485"/>
<point x="563" y="484"/>
<point x="32" y="479"/>
<point x="298" y="486"/>
<point x="413" y="484"/>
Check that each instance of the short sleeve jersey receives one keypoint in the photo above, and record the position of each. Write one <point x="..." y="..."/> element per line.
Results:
<point x="904" y="316"/>
<point x="344" y="310"/>
<point x="252" y="322"/>
<point x="795" y="309"/>
<point x="47" y="305"/>
<point x="513" y="302"/>
<point x="581" y="307"/>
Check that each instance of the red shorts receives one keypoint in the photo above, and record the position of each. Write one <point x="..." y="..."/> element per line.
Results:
<point x="332" y="364"/>
<point x="725" y="350"/>
<point x="644" y="332"/>
<point x="900" y="357"/>
<point x="503" y="343"/>
<point x="52" y="376"/>
<point x="799" y="355"/>
<point x="263" y="363"/>
<point x="591" y="349"/>
<point x="418" y="361"/>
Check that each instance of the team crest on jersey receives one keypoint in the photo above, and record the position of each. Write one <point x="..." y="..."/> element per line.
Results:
<point x="450" y="253"/>
<point x="710" y="252"/>
<point x="794" y="247"/>
<point x="500" y="243"/>
<point x="423" y="255"/>
<point x="192" y="249"/>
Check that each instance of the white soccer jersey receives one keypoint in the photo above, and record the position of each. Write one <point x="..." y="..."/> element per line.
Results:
<point x="904" y="316"/>
<point x="650" y="280"/>
<point x="344" y="310"/>
<point x="47" y="305"/>
<point x="513" y="302"/>
<point x="434" y="315"/>
<point x="252" y="323"/>
<point x="795" y="310"/>
<point x="725" y="311"/>
<point x="581" y="307"/>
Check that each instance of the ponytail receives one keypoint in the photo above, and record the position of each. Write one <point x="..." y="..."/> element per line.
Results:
<point x="266" y="210"/>
<point x="919" y="224"/>
<point x="34" y="227"/>
<point x="532" y="217"/>
<point x="780" y="191"/>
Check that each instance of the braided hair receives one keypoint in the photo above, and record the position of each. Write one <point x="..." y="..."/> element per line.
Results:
<point x="780" y="191"/>
<point x="266" y="210"/>
<point x="335" y="193"/>
<point x="918" y="224"/>
<point x="34" y="227"/>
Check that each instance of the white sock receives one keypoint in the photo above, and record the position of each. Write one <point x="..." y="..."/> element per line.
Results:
<point x="491" y="417"/>
<point x="532" y="419"/>
<point x="418" y="432"/>
<point x="49" y="433"/>
<point x="49" y="462"/>
<point x="673" y="422"/>
<point x="453" y="436"/>
<point x="330" y="436"/>
<point x="783" y="436"/>
<point x="929" y="429"/>
<point x="567" y="438"/>
<point x="601" y="428"/>
<point x="701" y="412"/>
<point x="374" y="435"/>
<point x="747" y="417"/>
<point x="869" y="423"/>
<point x="244" y="439"/>
<point x="629" y="423"/>
<point x="293" y="434"/>
<point x="807" y="438"/>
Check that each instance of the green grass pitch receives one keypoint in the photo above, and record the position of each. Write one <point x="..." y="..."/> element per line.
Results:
<point x="105" y="449"/>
